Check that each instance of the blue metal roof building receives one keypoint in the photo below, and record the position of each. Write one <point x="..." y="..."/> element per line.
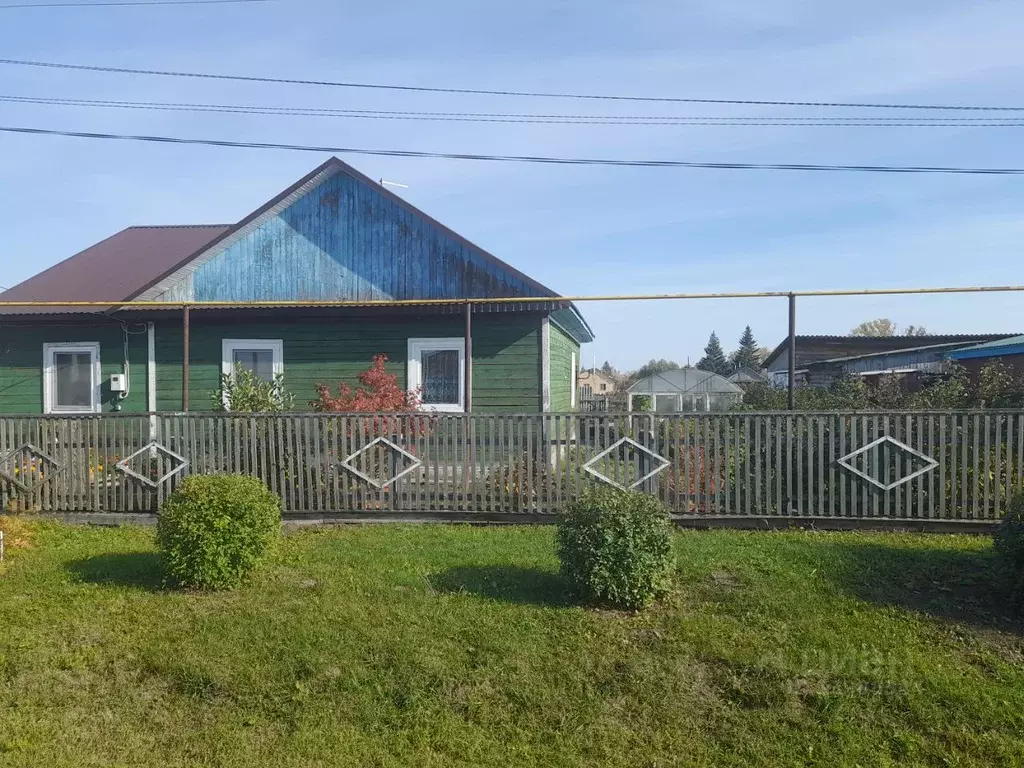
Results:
<point x="1001" y="348"/>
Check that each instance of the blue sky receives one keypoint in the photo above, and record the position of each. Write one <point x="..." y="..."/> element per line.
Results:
<point x="587" y="230"/>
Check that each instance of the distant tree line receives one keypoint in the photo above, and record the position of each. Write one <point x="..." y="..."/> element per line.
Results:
<point x="749" y="354"/>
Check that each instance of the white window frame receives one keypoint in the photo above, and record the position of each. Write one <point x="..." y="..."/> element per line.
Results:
<point x="416" y="348"/>
<point x="227" y="356"/>
<point x="572" y="382"/>
<point x="50" y="376"/>
<point x="228" y="347"/>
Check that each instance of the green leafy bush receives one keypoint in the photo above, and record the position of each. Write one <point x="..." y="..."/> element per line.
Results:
<point x="1009" y="541"/>
<point x="615" y="547"/>
<point x="214" y="529"/>
<point x="242" y="391"/>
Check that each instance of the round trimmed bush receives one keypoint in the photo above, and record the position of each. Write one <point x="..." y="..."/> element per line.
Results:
<point x="214" y="529"/>
<point x="616" y="548"/>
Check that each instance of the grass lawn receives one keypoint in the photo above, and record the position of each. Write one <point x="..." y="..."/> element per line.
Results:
<point x="450" y="646"/>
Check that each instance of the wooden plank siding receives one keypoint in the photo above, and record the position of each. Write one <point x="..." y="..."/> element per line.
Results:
<point x="348" y="239"/>
<point x="562" y="348"/>
<point x="506" y="357"/>
<point x="21" y="361"/>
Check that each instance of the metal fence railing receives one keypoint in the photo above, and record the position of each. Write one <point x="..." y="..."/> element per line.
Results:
<point x="908" y="465"/>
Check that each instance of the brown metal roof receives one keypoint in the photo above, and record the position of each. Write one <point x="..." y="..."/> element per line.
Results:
<point x="113" y="268"/>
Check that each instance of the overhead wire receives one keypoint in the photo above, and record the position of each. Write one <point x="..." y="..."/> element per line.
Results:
<point x="541" y="159"/>
<point x="525" y="118"/>
<point x="499" y="92"/>
<point x="112" y="3"/>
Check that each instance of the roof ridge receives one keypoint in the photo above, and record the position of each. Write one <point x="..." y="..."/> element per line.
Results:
<point x="177" y="226"/>
<point x="334" y="165"/>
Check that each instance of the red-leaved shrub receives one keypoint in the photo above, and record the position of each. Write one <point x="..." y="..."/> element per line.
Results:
<point x="379" y="396"/>
<point x="380" y="393"/>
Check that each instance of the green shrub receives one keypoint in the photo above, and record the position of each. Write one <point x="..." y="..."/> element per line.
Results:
<point x="615" y="547"/>
<point x="1009" y="541"/>
<point x="214" y="529"/>
<point x="242" y="391"/>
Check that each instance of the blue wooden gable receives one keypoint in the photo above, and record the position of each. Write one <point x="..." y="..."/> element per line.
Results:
<point x="342" y="237"/>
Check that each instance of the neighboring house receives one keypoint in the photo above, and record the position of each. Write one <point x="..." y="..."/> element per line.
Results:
<point x="1008" y="351"/>
<point x="747" y="376"/>
<point x="823" y="360"/>
<point x="335" y="235"/>
<point x="593" y="383"/>
<point x="685" y="390"/>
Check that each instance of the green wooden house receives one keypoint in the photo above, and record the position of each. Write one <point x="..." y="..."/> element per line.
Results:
<point x="314" y="283"/>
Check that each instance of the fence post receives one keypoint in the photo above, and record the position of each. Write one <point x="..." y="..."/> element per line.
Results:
<point x="652" y="445"/>
<point x="791" y="382"/>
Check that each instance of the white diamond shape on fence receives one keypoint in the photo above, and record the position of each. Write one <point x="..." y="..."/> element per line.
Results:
<point x="125" y="464"/>
<point x="36" y="460"/>
<point x="636" y="446"/>
<point x="379" y="485"/>
<point x="847" y="463"/>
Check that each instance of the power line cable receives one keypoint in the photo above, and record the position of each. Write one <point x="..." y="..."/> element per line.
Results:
<point x="488" y="92"/>
<point x="769" y="118"/>
<point x="541" y="159"/>
<point x="493" y="117"/>
<point x="7" y="6"/>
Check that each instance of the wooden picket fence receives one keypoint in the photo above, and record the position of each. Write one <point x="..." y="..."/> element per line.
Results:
<point x="953" y="466"/>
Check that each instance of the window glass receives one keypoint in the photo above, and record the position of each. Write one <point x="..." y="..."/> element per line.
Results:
<point x="666" y="403"/>
<point x="440" y="377"/>
<point x="73" y="379"/>
<point x="259" y="361"/>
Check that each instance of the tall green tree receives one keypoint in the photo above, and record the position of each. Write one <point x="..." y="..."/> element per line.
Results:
<point x="749" y="353"/>
<point x="714" y="357"/>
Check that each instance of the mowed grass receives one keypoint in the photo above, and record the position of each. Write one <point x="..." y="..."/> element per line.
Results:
<point x="455" y="646"/>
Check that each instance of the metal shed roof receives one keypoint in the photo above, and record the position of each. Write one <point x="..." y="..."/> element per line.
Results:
<point x="812" y="349"/>
<point x="1011" y="346"/>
